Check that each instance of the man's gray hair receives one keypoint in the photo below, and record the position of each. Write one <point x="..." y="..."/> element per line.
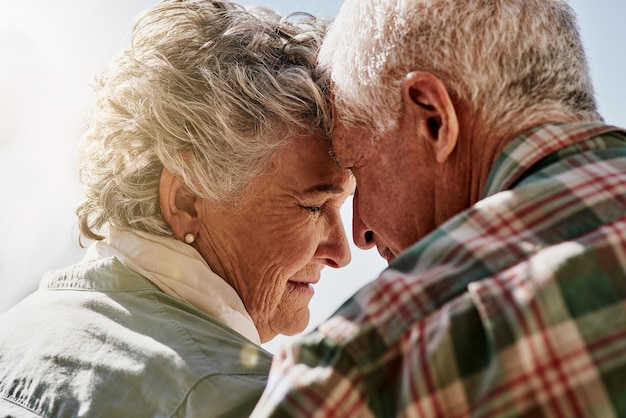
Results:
<point x="208" y="90"/>
<point x="506" y="60"/>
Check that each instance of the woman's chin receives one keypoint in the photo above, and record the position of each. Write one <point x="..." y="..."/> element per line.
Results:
<point x="286" y="323"/>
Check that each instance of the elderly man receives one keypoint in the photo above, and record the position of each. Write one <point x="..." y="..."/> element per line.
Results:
<point x="486" y="177"/>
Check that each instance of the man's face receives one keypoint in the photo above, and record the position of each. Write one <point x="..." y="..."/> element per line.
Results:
<point x="394" y="203"/>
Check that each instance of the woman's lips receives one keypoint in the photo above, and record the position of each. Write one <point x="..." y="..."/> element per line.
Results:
<point x="302" y="287"/>
<point x="304" y="282"/>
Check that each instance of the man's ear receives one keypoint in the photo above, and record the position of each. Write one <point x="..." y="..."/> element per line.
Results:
<point x="177" y="205"/>
<point x="426" y="99"/>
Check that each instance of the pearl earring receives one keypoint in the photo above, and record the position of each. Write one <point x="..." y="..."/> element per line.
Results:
<point x="190" y="238"/>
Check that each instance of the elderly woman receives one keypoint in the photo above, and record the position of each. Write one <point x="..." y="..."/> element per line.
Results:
<point x="213" y="205"/>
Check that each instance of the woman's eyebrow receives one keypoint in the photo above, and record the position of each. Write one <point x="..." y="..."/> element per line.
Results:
<point x="333" y="156"/>
<point x="324" y="188"/>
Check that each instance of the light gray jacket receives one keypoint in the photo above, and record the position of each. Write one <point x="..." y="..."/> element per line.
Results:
<point x="99" y="340"/>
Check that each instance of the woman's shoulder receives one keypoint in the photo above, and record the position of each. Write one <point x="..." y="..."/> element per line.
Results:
<point x="121" y="342"/>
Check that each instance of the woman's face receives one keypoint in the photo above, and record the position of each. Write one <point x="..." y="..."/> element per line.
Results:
<point x="272" y="244"/>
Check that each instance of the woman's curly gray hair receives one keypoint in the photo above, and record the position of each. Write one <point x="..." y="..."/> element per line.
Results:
<point x="208" y="90"/>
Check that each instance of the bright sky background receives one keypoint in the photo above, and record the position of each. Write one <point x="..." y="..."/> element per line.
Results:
<point x="50" y="53"/>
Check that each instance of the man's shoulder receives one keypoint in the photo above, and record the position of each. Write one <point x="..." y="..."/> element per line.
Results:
<point x="473" y="333"/>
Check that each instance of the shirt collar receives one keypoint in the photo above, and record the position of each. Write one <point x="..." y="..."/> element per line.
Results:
<point x="534" y="145"/>
<point x="181" y="272"/>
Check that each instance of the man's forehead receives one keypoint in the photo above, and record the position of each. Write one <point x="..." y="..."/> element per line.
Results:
<point x="347" y="144"/>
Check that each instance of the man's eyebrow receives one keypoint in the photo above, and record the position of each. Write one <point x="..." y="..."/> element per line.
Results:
<point x="324" y="188"/>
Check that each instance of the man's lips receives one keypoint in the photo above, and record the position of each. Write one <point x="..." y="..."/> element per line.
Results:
<point x="385" y="253"/>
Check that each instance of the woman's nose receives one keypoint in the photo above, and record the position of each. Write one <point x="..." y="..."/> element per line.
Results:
<point x="362" y="235"/>
<point x="334" y="250"/>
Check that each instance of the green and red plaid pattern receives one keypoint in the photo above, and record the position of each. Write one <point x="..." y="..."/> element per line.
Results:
<point x="513" y="308"/>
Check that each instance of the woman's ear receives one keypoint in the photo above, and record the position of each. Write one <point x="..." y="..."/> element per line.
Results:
<point x="177" y="204"/>
<point x="426" y="99"/>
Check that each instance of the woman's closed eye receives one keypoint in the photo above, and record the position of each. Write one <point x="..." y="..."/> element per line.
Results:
<point x="313" y="209"/>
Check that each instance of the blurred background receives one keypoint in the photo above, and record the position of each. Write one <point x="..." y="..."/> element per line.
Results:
<point x="50" y="53"/>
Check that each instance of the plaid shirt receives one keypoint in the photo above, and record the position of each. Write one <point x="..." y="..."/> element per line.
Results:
<point x="515" y="307"/>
